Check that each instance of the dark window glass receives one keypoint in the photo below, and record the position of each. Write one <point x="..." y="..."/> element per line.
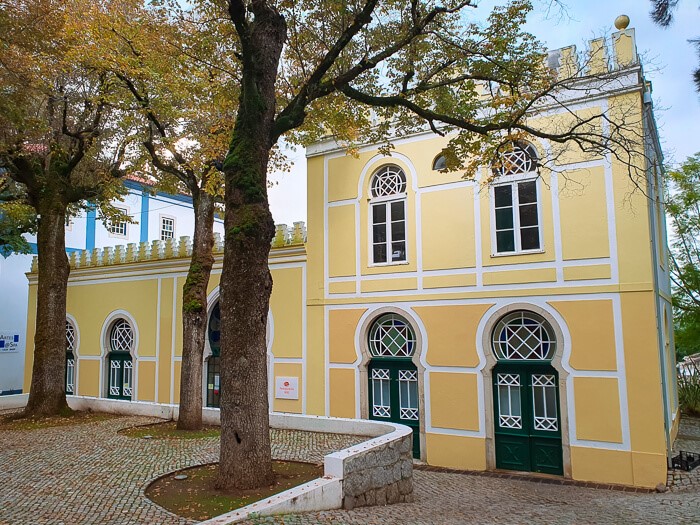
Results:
<point x="439" y="163"/>
<point x="527" y="192"/>
<point x="379" y="253"/>
<point x="398" y="231"/>
<point x="530" y="238"/>
<point x="505" y="241"/>
<point x="379" y="233"/>
<point x="397" y="211"/>
<point x="398" y="251"/>
<point x="378" y="213"/>
<point x="528" y="215"/>
<point x="504" y="218"/>
<point x="213" y="381"/>
<point x="503" y="196"/>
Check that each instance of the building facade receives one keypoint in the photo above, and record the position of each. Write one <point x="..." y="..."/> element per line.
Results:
<point x="522" y="324"/>
<point x="156" y="215"/>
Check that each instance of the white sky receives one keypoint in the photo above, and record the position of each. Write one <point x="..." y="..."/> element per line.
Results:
<point x="668" y="58"/>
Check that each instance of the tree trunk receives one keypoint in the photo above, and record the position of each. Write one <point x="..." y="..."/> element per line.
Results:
<point x="47" y="394"/>
<point x="194" y="313"/>
<point x="246" y="283"/>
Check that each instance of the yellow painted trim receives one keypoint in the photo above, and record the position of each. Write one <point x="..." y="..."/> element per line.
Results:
<point x="539" y="275"/>
<point x="342" y="287"/>
<point x="390" y="285"/>
<point x="449" y="281"/>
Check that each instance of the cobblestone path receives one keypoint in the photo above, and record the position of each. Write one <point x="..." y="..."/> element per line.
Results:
<point x="88" y="474"/>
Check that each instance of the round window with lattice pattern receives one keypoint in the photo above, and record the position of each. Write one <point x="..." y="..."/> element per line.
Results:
<point x="388" y="180"/>
<point x="121" y="337"/>
<point x="523" y="336"/>
<point x="391" y="336"/>
<point x="520" y="160"/>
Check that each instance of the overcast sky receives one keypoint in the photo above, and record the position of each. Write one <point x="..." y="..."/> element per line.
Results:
<point x="668" y="60"/>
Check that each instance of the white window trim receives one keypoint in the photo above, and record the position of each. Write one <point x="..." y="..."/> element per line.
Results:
<point x="397" y="197"/>
<point x="126" y="211"/>
<point x="160" y="226"/>
<point x="513" y="180"/>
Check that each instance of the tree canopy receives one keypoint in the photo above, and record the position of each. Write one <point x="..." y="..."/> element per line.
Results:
<point x="684" y="210"/>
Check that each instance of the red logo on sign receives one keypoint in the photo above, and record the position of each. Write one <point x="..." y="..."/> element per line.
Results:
<point x="286" y="383"/>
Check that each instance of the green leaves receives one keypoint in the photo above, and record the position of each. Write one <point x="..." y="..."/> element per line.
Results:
<point x="683" y="207"/>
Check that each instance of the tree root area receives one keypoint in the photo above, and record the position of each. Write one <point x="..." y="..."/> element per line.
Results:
<point x="197" y="498"/>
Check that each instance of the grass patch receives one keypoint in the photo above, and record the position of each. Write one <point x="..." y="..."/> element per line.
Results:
<point x="18" y="421"/>
<point x="196" y="498"/>
<point x="689" y="391"/>
<point x="169" y="431"/>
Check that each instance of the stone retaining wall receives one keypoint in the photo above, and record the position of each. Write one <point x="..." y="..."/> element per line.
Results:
<point x="380" y="476"/>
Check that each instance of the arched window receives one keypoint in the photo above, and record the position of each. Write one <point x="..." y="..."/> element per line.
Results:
<point x="71" y="340"/>
<point x="214" y="361"/>
<point x="439" y="163"/>
<point x="388" y="215"/>
<point x="523" y="335"/>
<point x="516" y="202"/>
<point x="121" y="343"/>
<point x="391" y="336"/>
<point x="393" y="378"/>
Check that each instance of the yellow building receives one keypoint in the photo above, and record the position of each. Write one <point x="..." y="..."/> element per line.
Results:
<point x="520" y="325"/>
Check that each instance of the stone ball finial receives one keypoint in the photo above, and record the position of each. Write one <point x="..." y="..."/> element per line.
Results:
<point x="621" y="22"/>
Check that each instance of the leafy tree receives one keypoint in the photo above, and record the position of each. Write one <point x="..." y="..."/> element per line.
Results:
<point x="684" y="210"/>
<point x="182" y="82"/>
<point x="662" y="14"/>
<point x="364" y="70"/>
<point x="15" y="219"/>
<point x="61" y="142"/>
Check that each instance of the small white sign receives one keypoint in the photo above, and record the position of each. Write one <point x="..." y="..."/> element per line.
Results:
<point x="9" y="341"/>
<point x="287" y="388"/>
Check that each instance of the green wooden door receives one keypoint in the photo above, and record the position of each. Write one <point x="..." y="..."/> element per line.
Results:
<point x="526" y="418"/>
<point x="120" y="376"/>
<point x="393" y="394"/>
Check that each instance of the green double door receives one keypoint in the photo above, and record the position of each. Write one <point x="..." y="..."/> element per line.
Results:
<point x="526" y="418"/>
<point x="393" y="394"/>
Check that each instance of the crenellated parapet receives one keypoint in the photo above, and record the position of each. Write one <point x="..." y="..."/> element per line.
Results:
<point x="602" y="56"/>
<point x="170" y="249"/>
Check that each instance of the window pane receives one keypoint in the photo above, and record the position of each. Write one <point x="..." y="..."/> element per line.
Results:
<point x="504" y="218"/>
<point x="397" y="211"/>
<point x="398" y="231"/>
<point x="505" y="241"/>
<point x="398" y="251"/>
<point x="527" y="192"/>
<point x="528" y="215"/>
<point x="378" y="213"/>
<point x="530" y="238"/>
<point x="503" y="196"/>
<point x="379" y="253"/>
<point x="379" y="233"/>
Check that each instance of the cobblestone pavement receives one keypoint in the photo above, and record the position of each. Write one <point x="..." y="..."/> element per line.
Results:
<point x="88" y="474"/>
<point x="688" y="440"/>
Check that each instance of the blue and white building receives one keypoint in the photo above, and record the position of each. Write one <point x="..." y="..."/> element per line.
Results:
<point x="157" y="216"/>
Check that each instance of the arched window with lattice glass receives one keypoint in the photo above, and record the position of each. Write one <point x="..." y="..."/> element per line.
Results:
<point x="523" y="335"/>
<point x="388" y="215"/>
<point x="121" y="370"/>
<point x="516" y="203"/>
<point x="71" y="343"/>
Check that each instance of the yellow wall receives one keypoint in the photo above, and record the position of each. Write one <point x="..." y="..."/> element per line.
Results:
<point x="341" y="332"/>
<point x="342" y="385"/>
<point x="597" y="409"/>
<point x="583" y="214"/>
<point x="452" y="333"/>
<point x="447" y="220"/>
<point x="286" y="305"/>
<point x="453" y="401"/>
<point x="592" y="329"/>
